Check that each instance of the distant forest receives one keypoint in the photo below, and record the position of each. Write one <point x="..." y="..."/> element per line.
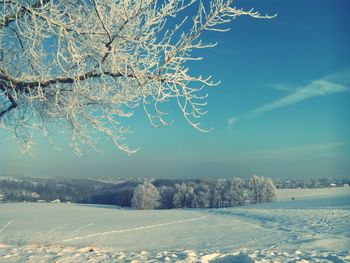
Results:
<point x="310" y="183"/>
<point x="155" y="194"/>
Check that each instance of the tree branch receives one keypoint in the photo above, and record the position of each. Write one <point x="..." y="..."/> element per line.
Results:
<point x="64" y="80"/>
<point x="11" y="99"/>
<point x="102" y="23"/>
<point x="22" y="11"/>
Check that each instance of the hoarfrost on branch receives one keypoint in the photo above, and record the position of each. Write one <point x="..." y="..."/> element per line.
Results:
<point x="86" y="65"/>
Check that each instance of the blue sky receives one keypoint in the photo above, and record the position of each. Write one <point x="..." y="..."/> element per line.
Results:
<point x="282" y="109"/>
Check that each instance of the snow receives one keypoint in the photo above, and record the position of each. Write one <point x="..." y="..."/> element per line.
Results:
<point x="284" y="194"/>
<point x="312" y="228"/>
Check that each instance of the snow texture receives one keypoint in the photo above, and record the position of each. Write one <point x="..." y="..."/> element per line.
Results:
<point x="314" y="227"/>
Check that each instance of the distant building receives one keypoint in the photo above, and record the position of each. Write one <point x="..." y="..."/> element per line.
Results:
<point x="333" y="185"/>
<point x="57" y="201"/>
<point x="40" y="201"/>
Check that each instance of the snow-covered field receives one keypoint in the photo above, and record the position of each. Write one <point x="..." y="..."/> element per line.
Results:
<point x="315" y="227"/>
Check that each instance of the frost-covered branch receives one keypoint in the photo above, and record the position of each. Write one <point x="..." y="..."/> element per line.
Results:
<point x="85" y="65"/>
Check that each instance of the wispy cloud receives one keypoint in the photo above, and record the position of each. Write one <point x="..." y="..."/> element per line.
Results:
<point x="334" y="83"/>
<point x="283" y="87"/>
<point x="231" y="121"/>
<point x="314" y="89"/>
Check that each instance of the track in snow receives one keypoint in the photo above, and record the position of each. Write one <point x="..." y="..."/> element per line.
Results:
<point x="134" y="229"/>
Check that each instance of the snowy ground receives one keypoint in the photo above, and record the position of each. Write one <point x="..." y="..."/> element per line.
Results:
<point x="312" y="228"/>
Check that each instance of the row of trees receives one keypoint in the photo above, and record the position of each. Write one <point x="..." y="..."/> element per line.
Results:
<point x="204" y="194"/>
<point x="31" y="190"/>
<point x="161" y="193"/>
<point x="310" y="183"/>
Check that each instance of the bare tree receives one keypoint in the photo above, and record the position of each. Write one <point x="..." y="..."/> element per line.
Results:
<point x="84" y="65"/>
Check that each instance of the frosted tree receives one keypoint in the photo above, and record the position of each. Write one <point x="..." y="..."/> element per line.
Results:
<point x="315" y="183"/>
<point x="83" y="66"/>
<point x="255" y="189"/>
<point x="183" y="196"/>
<point x="218" y="193"/>
<point x="146" y="196"/>
<point x="235" y="191"/>
<point x="166" y="196"/>
<point x="269" y="190"/>
<point x="261" y="189"/>
<point x="202" y="196"/>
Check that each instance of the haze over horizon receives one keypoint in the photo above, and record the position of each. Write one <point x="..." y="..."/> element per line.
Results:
<point x="281" y="110"/>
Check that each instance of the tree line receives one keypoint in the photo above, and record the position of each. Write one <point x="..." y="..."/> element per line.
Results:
<point x="204" y="194"/>
<point x="311" y="183"/>
<point x="141" y="194"/>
